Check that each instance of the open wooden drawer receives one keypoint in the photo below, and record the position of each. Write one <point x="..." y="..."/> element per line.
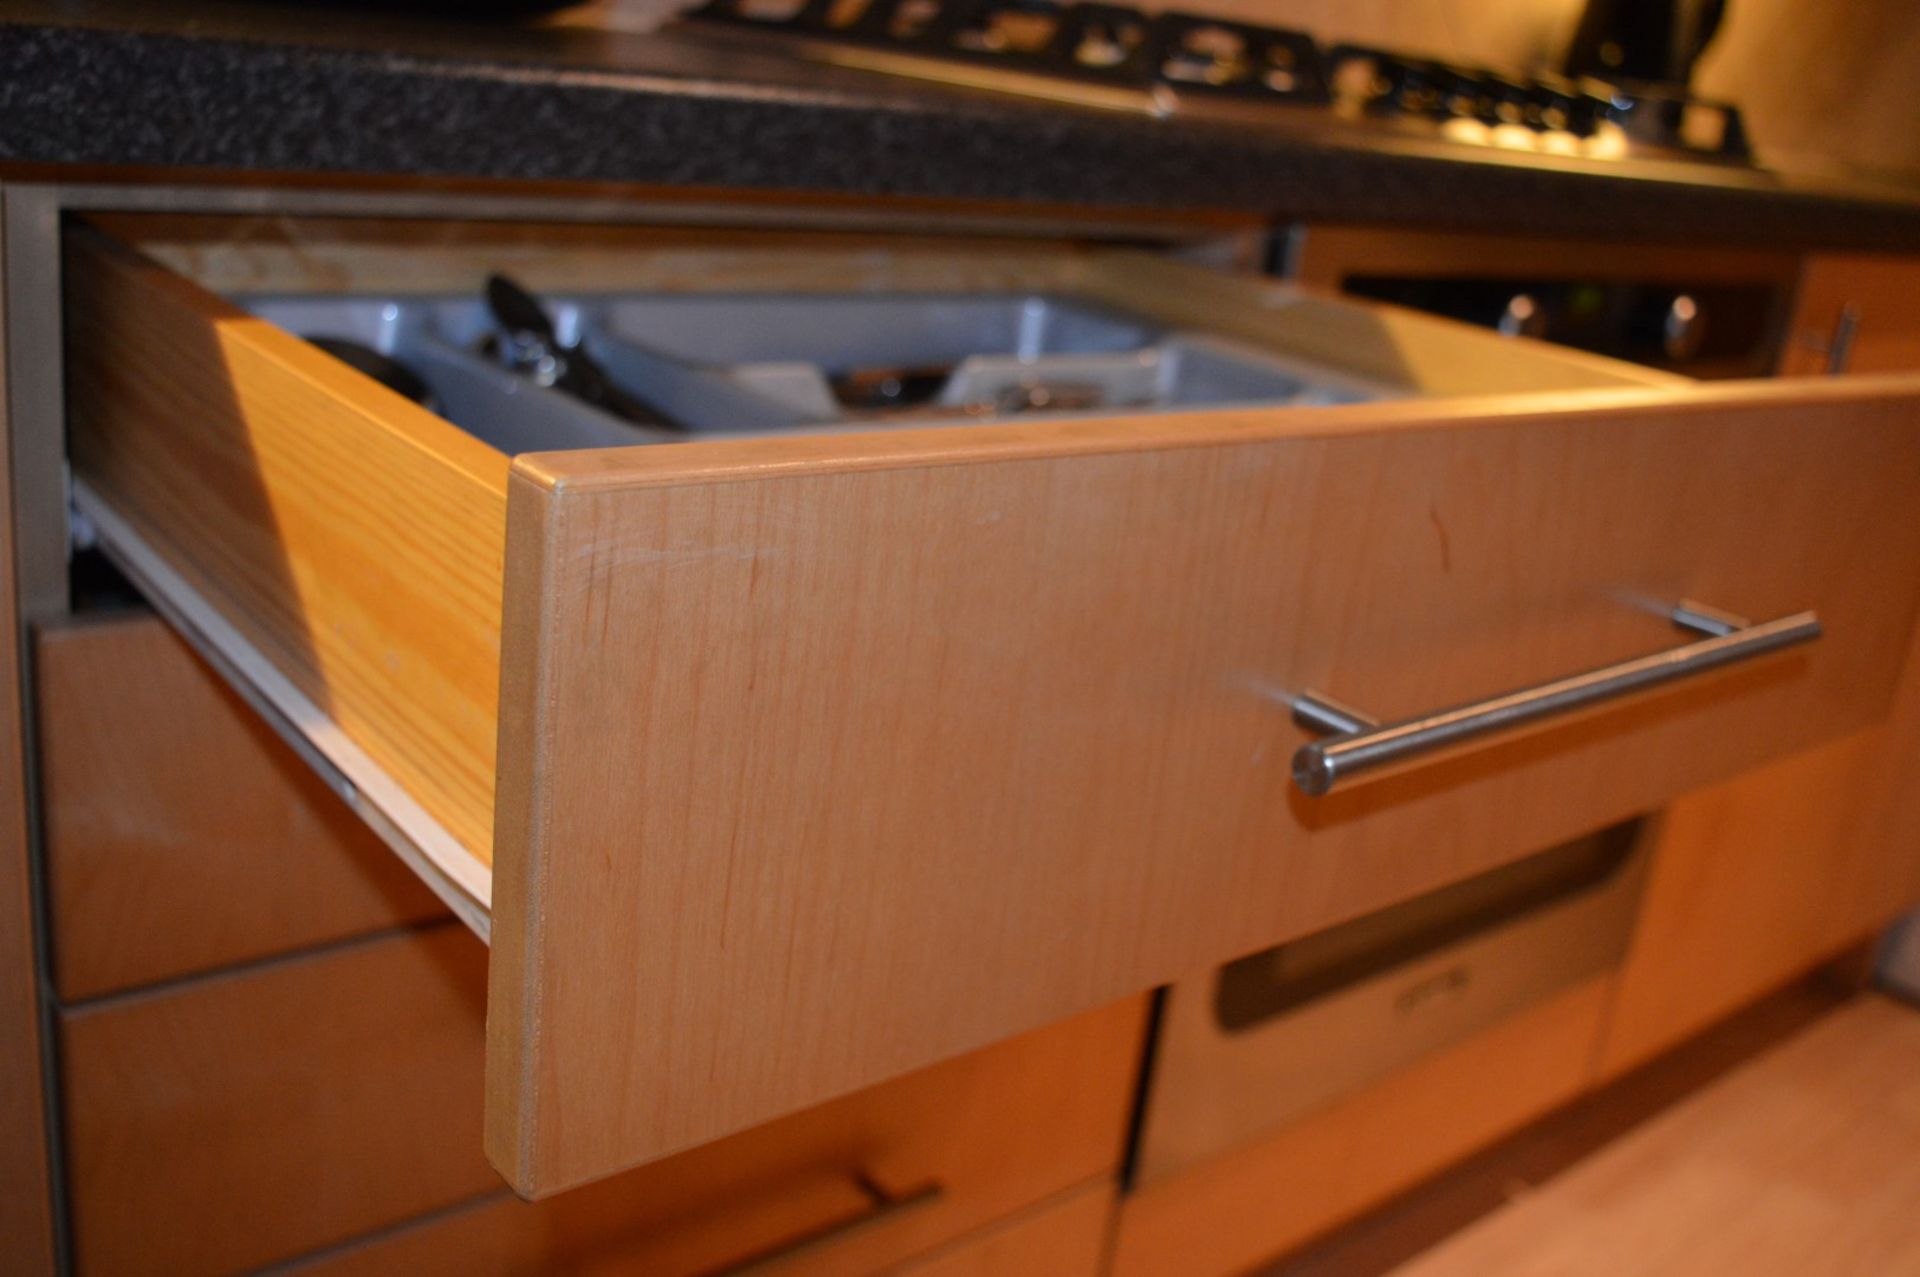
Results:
<point x="782" y="766"/>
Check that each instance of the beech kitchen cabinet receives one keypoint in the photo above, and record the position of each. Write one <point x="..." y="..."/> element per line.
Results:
<point x="759" y="779"/>
<point x="830" y="800"/>
<point x="1761" y="878"/>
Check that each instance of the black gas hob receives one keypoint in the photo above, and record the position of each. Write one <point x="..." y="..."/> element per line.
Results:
<point x="1171" y="63"/>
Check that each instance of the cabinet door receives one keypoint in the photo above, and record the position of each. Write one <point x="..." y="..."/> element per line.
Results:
<point x="1759" y="878"/>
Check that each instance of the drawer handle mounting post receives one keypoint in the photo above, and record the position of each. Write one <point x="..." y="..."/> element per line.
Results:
<point x="1356" y="743"/>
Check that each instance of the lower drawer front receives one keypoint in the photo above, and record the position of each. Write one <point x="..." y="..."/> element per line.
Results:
<point x="248" y="1117"/>
<point x="254" y="1116"/>
<point x="823" y="759"/>
<point x="1229" y="1215"/>
<point x="1064" y="1236"/>
<point x="181" y="835"/>
<point x="953" y="746"/>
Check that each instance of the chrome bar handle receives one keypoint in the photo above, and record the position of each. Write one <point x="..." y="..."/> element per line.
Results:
<point x="1360" y="744"/>
<point x="1836" y="347"/>
<point x="1840" y="346"/>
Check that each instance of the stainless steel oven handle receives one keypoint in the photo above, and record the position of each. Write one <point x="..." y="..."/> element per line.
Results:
<point x="1359" y="744"/>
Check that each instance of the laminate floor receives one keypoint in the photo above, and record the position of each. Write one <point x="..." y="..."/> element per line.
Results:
<point x="1805" y="1161"/>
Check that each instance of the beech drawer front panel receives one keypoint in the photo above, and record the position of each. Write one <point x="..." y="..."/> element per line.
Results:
<point x="1005" y="1132"/>
<point x="182" y="835"/>
<point x="225" y="1123"/>
<point x="822" y="759"/>
<point x="892" y="748"/>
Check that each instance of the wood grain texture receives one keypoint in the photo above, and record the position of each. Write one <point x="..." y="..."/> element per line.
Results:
<point x="241" y="1119"/>
<point x="1806" y="1160"/>
<point x="352" y="536"/>
<point x="181" y="834"/>
<point x="1420" y="1218"/>
<point x="1753" y="882"/>
<point x="909" y="742"/>
<point x="1429" y="355"/>
<point x="385" y="611"/>
<point x="1234" y="1212"/>
<point x="27" y="1217"/>
<point x="999" y="1130"/>
<point x="1764" y="876"/>
<point x="815" y="750"/>
<point x="229" y="255"/>
<point x="355" y="540"/>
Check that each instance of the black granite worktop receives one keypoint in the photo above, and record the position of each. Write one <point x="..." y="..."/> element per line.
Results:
<point x="306" y="90"/>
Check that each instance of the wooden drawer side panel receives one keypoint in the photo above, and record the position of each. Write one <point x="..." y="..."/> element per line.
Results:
<point x="355" y="539"/>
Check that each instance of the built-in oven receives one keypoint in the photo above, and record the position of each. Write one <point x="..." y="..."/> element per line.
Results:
<point x="1701" y="312"/>
<point x="1265" y="1041"/>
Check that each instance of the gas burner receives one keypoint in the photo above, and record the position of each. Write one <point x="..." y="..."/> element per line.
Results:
<point x="1375" y="82"/>
<point x="1106" y="43"/>
<point x="1659" y="116"/>
<point x="1172" y="63"/>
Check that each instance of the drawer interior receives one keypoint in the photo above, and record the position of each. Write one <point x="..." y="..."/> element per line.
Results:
<point x="681" y="368"/>
<point x="741" y="336"/>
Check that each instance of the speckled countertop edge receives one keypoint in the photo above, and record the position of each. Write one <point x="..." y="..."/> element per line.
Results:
<point x="101" y="96"/>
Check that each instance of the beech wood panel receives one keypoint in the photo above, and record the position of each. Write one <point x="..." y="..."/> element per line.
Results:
<point x="1876" y="873"/>
<point x="910" y="741"/>
<point x="228" y="1122"/>
<point x="1230" y="1214"/>
<point x="998" y="1130"/>
<point x="1384" y="343"/>
<point x="1764" y="876"/>
<point x="230" y="255"/>
<point x="352" y="536"/>
<point x="1806" y="1160"/>
<point x="1881" y="290"/>
<point x="181" y="834"/>
<point x="356" y="540"/>
<point x="1429" y="355"/>
<point x="27" y="1216"/>
<point x="1753" y="882"/>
